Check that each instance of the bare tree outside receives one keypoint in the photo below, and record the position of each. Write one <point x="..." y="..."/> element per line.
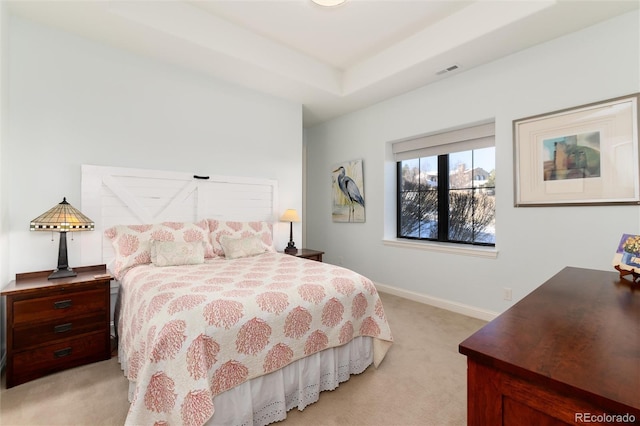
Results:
<point x="472" y="215"/>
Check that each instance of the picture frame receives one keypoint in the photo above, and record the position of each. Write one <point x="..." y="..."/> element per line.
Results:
<point x="586" y="155"/>
<point x="627" y="255"/>
<point x="626" y="259"/>
<point x="347" y="192"/>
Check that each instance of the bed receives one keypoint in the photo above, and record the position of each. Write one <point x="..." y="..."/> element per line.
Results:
<point x="216" y="327"/>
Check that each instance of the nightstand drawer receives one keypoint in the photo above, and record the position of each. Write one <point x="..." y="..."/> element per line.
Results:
<point x="43" y="333"/>
<point x="58" y="306"/>
<point x="57" y="356"/>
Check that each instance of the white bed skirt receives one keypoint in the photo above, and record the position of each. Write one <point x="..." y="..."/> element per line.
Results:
<point x="267" y="399"/>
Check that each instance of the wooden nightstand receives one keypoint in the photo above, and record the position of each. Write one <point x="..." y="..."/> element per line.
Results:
<point x="309" y="254"/>
<point x="56" y="324"/>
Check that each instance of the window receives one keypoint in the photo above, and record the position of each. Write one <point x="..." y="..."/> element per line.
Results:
<point x="446" y="192"/>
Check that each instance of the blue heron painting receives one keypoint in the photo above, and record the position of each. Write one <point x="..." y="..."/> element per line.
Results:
<point x="348" y="192"/>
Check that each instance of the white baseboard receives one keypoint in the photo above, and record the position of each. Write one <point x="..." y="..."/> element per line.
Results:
<point x="459" y="308"/>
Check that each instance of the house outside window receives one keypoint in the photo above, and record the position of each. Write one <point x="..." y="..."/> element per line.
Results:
<point x="446" y="187"/>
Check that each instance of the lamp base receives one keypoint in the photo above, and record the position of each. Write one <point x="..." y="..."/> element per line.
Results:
<point x="291" y="248"/>
<point x="63" y="270"/>
<point x="62" y="273"/>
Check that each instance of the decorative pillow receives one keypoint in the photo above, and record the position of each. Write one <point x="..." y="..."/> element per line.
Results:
<point x="131" y="243"/>
<point x="190" y="232"/>
<point x="173" y="253"/>
<point x="218" y="229"/>
<point x="242" y="247"/>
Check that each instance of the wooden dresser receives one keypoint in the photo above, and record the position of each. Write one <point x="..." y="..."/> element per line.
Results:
<point x="56" y="324"/>
<point x="568" y="353"/>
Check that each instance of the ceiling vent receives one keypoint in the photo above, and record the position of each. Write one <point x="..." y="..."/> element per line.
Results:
<point x="448" y="69"/>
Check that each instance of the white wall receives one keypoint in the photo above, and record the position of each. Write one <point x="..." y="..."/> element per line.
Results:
<point x="4" y="202"/>
<point x="598" y="63"/>
<point x="73" y="102"/>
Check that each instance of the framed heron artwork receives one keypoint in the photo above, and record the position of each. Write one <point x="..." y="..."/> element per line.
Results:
<point x="347" y="192"/>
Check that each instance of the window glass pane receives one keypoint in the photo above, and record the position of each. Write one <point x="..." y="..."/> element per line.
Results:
<point x="460" y="170"/>
<point x="428" y="173"/>
<point x="472" y="169"/>
<point x="472" y="216"/>
<point x="484" y="216"/>
<point x="484" y="166"/>
<point x="410" y="214"/>
<point x="429" y="222"/>
<point x="418" y="198"/>
<point x="472" y="199"/>
<point x="410" y="170"/>
<point x="419" y="214"/>
<point x="461" y="215"/>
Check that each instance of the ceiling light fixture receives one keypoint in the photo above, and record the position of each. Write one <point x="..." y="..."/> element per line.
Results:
<point x="329" y="3"/>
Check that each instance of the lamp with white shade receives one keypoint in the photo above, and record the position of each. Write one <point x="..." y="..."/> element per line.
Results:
<point x="290" y="215"/>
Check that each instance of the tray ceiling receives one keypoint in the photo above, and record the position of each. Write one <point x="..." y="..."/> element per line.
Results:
<point x="330" y="60"/>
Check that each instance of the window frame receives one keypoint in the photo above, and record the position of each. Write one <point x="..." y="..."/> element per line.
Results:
<point x="443" y="203"/>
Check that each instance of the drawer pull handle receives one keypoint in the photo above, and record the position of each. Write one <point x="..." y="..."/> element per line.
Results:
<point x="62" y="328"/>
<point x="62" y="352"/>
<point x="62" y="304"/>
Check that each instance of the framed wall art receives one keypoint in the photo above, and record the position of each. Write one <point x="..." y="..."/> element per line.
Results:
<point x="347" y="192"/>
<point x="579" y="156"/>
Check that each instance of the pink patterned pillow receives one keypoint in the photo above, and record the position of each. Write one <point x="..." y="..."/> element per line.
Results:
<point x="132" y="246"/>
<point x="219" y="228"/>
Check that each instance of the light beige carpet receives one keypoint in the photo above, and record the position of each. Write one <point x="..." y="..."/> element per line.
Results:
<point x="422" y="381"/>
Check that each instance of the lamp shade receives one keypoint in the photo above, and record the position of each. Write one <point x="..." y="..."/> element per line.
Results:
<point x="290" y="215"/>
<point x="62" y="218"/>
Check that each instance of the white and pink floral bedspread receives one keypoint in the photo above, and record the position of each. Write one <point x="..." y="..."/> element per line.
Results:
<point x="188" y="333"/>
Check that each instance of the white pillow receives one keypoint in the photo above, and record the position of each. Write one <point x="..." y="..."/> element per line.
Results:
<point x="219" y="228"/>
<point x="174" y="253"/>
<point x="242" y="247"/>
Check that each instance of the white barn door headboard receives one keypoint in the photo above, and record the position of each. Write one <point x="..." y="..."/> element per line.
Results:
<point x="123" y="196"/>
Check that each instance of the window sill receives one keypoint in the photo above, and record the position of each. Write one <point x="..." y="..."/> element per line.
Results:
<point x="476" y="251"/>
